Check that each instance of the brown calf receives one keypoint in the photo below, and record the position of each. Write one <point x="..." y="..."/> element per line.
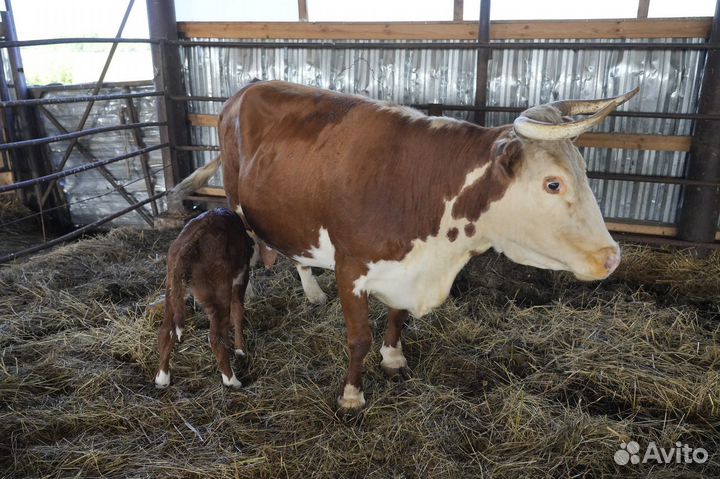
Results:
<point x="212" y="255"/>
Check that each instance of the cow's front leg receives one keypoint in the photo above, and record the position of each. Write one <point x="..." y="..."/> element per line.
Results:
<point x="393" y="361"/>
<point x="359" y="335"/>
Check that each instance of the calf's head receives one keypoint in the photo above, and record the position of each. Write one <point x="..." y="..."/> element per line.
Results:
<point x="548" y="216"/>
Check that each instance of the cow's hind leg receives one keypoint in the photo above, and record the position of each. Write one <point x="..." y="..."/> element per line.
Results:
<point x="393" y="361"/>
<point x="219" y="339"/>
<point x="310" y="285"/>
<point x="359" y="335"/>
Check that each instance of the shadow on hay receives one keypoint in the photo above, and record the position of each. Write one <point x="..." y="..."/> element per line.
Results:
<point x="521" y="373"/>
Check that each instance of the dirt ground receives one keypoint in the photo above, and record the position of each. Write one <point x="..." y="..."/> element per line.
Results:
<point x="521" y="373"/>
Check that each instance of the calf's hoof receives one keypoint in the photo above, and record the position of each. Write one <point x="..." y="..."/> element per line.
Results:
<point x="231" y="382"/>
<point x="396" y="374"/>
<point x="162" y="379"/>
<point x="240" y="353"/>
<point x="352" y="399"/>
<point x="178" y="334"/>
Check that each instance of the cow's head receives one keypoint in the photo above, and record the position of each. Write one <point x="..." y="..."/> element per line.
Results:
<point x="548" y="216"/>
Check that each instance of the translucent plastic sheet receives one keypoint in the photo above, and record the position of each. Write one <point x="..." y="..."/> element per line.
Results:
<point x="81" y="189"/>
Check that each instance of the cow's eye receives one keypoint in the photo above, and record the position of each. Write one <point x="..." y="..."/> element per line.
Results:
<point x="553" y="185"/>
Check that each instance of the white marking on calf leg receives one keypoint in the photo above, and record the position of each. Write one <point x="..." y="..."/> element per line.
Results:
<point x="239" y="352"/>
<point x="178" y="333"/>
<point x="162" y="379"/>
<point x="392" y="357"/>
<point x="352" y="398"/>
<point x="310" y="285"/>
<point x="231" y="382"/>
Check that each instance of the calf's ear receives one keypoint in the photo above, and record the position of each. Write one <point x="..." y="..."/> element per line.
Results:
<point x="507" y="153"/>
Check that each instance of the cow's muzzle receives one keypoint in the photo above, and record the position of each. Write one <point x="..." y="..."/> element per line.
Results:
<point x="602" y="264"/>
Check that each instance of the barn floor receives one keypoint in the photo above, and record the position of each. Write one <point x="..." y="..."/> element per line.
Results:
<point x="522" y="373"/>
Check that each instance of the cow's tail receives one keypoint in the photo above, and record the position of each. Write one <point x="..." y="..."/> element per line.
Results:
<point x="197" y="179"/>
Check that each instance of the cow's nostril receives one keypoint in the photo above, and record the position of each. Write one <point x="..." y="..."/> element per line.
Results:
<point x="612" y="261"/>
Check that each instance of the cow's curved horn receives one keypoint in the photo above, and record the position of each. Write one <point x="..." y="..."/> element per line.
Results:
<point x="599" y="109"/>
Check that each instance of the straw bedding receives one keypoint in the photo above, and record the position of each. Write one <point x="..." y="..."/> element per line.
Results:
<point x="521" y="373"/>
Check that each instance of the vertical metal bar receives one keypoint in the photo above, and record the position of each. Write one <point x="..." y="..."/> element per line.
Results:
<point x="169" y="79"/>
<point x="435" y="110"/>
<point x="701" y="204"/>
<point x="643" y="8"/>
<point x="95" y="91"/>
<point x="458" y="10"/>
<point x="302" y="10"/>
<point x="38" y="162"/>
<point x="483" y="57"/>
<point x="144" y="158"/>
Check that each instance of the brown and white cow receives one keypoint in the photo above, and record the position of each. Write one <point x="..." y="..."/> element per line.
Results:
<point x="212" y="255"/>
<point x="397" y="202"/>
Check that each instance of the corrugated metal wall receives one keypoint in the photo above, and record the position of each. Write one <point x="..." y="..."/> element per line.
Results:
<point x="670" y="81"/>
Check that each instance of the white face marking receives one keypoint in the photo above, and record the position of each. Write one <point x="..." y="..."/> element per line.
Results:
<point x="321" y="256"/>
<point x="392" y="357"/>
<point x="239" y="278"/>
<point x="162" y="379"/>
<point x="551" y="231"/>
<point x="422" y="279"/>
<point x="352" y="398"/>
<point x="178" y="333"/>
<point x="310" y="285"/>
<point x="231" y="382"/>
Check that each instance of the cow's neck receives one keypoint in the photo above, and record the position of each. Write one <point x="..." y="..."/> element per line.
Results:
<point x="421" y="280"/>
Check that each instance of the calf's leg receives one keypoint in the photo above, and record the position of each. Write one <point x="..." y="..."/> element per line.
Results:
<point x="166" y="341"/>
<point x="393" y="361"/>
<point x="219" y="334"/>
<point x="359" y="335"/>
<point x="237" y="310"/>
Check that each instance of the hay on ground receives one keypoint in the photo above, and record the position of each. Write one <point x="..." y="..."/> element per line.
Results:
<point x="522" y="373"/>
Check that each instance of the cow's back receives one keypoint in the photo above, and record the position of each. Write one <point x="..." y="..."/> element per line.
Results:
<point x="300" y="160"/>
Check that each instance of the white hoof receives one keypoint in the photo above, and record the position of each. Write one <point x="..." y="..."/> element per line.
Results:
<point x="392" y="357"/>
<point x="178" y="334"/>
<point x="316" y="297"/>
<point x="231" y="382"/>
<point x="239" y="352"/>
<point x="352" y="398"/>
<point x="162" y="379"/>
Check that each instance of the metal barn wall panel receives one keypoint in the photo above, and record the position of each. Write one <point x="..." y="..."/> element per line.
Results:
<point x="670" y="81"/>
<point x="88" y="193"/>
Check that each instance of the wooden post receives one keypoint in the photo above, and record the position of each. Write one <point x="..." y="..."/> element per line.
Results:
<point x="302" y="10"/>
<point x="643" y="8"/>
<point x="482" y="61"/>
<point x="458" y="10"/>
<point x="169" y="78"/>
<point x="701" y="204"/>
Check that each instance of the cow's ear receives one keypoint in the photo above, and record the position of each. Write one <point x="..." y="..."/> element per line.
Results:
<point x="507" y="153"/>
